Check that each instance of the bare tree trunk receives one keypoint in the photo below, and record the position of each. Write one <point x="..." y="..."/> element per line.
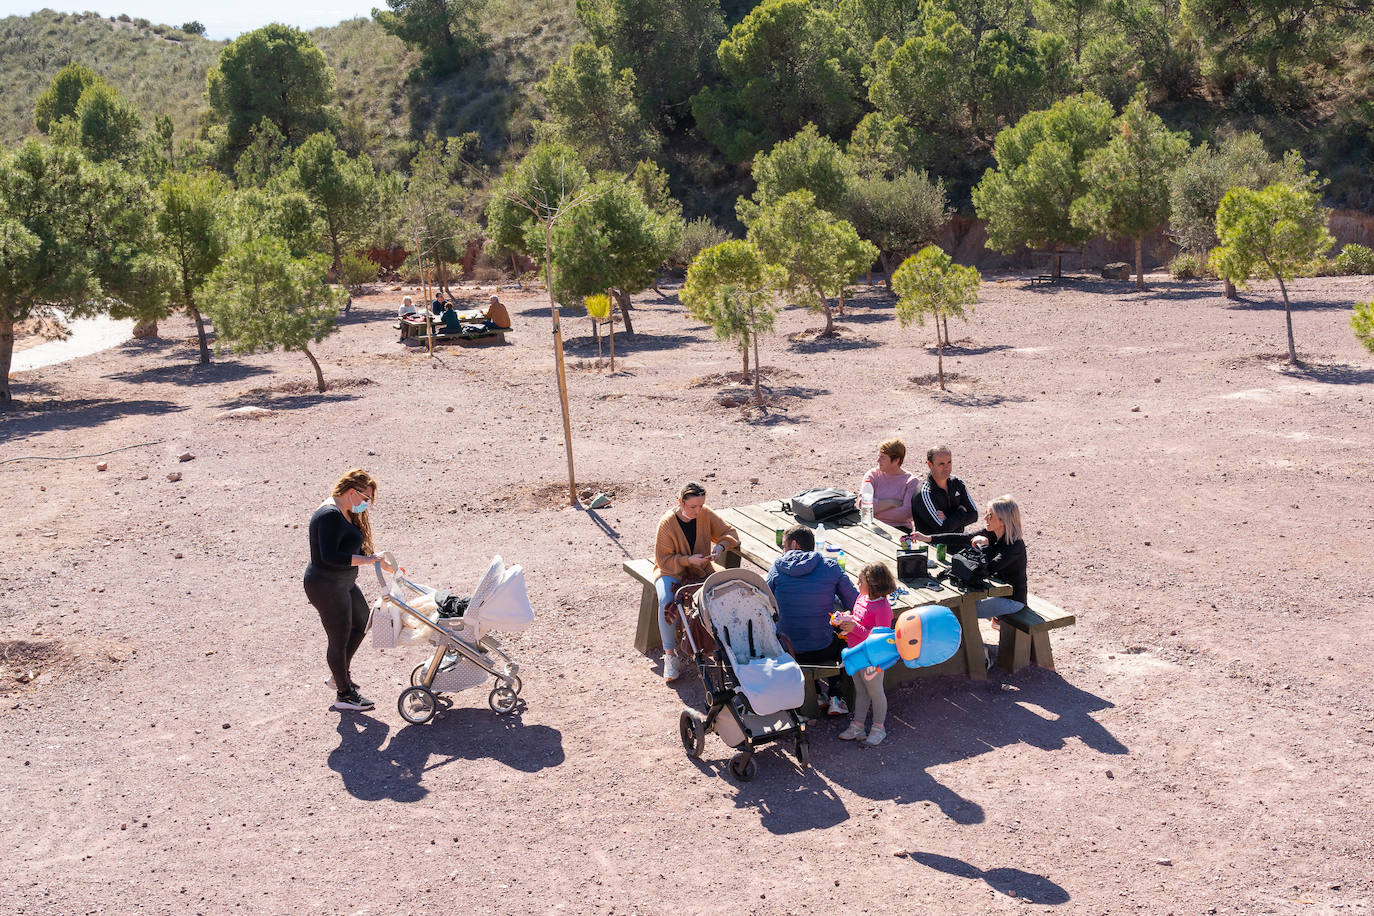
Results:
<point x="319" y="373"/>
<point x="940" y="365"/>
<point x="1139" y="262"/>
<point x="145" y="329"/>
<point x="1058" y="265"/>
<point x="945" y="320"/>
<point x="744" y="351"/>
<point x="200" y="331"/>
<point x="623" y="299"/>
<point x="1230" y="288"/>
<point x="758" y="390"/>
<point x="596" y="332"/>
<point x="6" y="359"/>
<point x="887" y="271"/>
<point x="829" y="321"/>
<point x="558" y="358"/>
<point x="1288" y="317"/>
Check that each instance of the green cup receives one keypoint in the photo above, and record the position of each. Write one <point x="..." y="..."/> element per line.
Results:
<point x="940" y="551"/>
<point x="777" y="536"/>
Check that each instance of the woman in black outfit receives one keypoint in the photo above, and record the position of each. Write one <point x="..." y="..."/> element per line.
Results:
<point x="1005" y="551"/>
<point x="340" y="542"/>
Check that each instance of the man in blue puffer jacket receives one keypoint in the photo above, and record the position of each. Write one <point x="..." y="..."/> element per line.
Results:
<point x="806" y="586"/>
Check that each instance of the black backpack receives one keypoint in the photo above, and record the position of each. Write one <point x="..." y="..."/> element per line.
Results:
<point x="968" y="567"/>
<point x="821" y="504"/>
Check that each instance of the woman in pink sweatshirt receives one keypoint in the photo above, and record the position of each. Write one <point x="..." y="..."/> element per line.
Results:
<point x="892" y="487"/>
<point x="872" y="609"/>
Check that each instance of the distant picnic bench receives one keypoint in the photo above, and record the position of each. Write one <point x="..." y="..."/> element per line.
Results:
<point x="471" y="331"/>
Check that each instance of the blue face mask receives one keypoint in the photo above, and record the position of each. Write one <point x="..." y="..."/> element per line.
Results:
<point x="361" y="507"/>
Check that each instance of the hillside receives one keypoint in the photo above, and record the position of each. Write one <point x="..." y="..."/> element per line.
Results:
<point x="162" y="69"/>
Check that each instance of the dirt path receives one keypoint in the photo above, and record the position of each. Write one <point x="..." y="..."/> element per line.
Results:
<point x="1204" y="747"/>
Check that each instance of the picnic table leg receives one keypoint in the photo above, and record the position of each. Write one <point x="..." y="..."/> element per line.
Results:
<point x="1040" y="652"/>
<point x="1013" y="649"/>
<point x="972" y="638"/>
<point x="646" y="630"/>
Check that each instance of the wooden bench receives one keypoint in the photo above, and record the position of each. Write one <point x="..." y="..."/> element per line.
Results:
<point x="1043" y="278"/>
<point x="1025" y="636"/>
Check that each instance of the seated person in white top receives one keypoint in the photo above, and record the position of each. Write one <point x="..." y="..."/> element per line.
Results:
<point x="408" y="307"/>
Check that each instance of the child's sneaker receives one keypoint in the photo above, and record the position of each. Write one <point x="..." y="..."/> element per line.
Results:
<point x="352" y="700"/>
<point x="875" y="736"/>
<point x="854" y="732"/>
<point x="838" y="707"/>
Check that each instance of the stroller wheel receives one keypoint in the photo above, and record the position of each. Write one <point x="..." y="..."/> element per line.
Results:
<point x="516" y="684"/>
<point x="743" y="766"/>
<point x="417" y="705"/>
<point x="502" y="699"/>
<point x="691" y="727"/>
<point x="803" y="752"/>
<point x="417" y="677"/>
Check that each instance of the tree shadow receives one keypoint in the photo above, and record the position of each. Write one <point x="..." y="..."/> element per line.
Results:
<point x="643" y="343"/>
<point x="192" y="373"/>
<point x="30" y="417"/>
<point x="836" y="342"/>
<point x="1276" y="305"/>
<point x="942" y="720"/>
<point x="863" y="317"/>
<point x="286" y="401"/>
<point x="954" y="349"/>
<point x="1330" y="373"/>
<point x="372" y="772"/>
<point x="976" y="399"/>
<point x="1027" y="886"/>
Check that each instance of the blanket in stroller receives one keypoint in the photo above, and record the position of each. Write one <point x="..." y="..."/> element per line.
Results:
<point x="741" y="610"/>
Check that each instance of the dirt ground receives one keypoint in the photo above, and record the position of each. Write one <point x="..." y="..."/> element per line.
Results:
<point x="1204" y="746"/>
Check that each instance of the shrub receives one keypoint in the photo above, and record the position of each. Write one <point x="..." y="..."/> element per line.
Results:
<point x="1355" y="259"/>
<point x="1186" y="266"/>
<point x="1362" y="323"/>
<point x="357" y="270"/>
<point x="697" y="236"/>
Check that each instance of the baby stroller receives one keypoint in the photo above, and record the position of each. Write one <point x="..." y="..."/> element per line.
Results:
<point x="753" y="687"/>
<point x="465" y="653"/>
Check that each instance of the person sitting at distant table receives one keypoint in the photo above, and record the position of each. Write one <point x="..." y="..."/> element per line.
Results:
<point x="450" y="319"/>
<point x="408" y="308"/>
<point x="437" y="307"/>
<point x="893" y="487"/>
<point x="941" y="504"/>
<point x="498" y="318"/>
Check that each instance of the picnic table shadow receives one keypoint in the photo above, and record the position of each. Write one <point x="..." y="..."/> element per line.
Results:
<point x="373" y="769"/>
<point x="945" y="720"/>
<point x="1027" y="886"/>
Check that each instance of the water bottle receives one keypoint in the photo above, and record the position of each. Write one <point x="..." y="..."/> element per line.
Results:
<point x="820" y="538"/>
<point x="866" y="503"/>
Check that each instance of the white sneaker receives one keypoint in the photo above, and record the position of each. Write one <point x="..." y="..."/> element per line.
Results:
<point x="838" y="707"/>
<point x="671" y="669"/>
<point x="875" y="736"/>
<point x="854" y="732"/>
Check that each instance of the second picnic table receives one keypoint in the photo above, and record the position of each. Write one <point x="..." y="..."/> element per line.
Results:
<point x="757" y="526"/>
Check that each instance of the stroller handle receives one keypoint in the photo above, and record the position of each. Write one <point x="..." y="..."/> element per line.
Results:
<point x="390" y="559"/>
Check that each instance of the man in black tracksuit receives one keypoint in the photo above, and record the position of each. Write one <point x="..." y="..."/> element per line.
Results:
<point x="942" y="505"/>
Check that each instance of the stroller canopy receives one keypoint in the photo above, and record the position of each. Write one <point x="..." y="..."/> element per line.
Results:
<point x="500" y="602"/>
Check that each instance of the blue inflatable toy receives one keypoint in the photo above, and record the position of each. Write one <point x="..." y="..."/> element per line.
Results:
<point x="926" y="636"/>
<point x="879" y="650"/>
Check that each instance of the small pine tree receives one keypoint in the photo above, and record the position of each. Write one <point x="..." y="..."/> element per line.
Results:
<point x="929" y="283"/>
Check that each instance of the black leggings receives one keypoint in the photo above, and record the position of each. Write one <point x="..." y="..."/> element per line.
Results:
<point x="343" y="611"/>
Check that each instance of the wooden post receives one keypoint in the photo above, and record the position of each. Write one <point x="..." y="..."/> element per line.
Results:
<point x="610" y="324"/>
<point x="558" y="359"/>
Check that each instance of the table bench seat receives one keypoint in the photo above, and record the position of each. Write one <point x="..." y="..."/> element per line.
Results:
<point x="1024" y="638"/>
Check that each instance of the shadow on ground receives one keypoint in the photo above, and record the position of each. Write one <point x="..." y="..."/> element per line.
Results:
<point x="585" y="347"/>
<point x="1275" y="304"/>
<point x="28" y="417"/>
<point x="373" y="769"/>
<point x="1025" y="885"/>
<point x="194" y="373"/>
<point x="1330" y="373"/>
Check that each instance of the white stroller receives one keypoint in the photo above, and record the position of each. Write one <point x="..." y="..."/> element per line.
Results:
<point x="465" y="653"/>
<point x="753" y="687"/>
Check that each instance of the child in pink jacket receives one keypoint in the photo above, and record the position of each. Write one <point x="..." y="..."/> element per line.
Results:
<point x="872" y="609"/>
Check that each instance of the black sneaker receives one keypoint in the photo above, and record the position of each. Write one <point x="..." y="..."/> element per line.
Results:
<point x="352" y="700"/>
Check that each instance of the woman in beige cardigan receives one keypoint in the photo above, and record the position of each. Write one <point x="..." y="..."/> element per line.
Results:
<point x="689" y="538"/>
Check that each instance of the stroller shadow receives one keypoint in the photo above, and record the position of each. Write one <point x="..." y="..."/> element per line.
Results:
<point x="946" y="721"/>
<point x="1026" y="886"/>
<point x="373" y="770"/>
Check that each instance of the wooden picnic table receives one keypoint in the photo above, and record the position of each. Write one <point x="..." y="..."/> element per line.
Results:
<point x="757" y="526"/>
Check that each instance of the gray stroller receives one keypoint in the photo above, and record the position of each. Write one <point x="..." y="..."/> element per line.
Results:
<point x="753" y="687"/>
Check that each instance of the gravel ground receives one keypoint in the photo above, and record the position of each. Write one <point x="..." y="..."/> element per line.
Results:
<point x="1204" y="509"/>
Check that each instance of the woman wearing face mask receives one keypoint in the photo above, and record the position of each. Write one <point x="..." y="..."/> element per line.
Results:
<point x="340" y="542"/>
<point x="689" y="537"/>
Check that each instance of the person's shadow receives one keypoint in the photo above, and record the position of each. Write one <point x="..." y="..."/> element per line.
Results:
<point x="1025" y="885"/>
<point x="371" y="771"/>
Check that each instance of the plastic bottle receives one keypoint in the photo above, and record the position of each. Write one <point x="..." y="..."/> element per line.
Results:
<point x="840" y="558"/>
<point x="866" y="503"/>
<point x="820" y="538"/>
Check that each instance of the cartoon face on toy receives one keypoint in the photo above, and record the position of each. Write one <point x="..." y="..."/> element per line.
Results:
<point x="909" y="635"/>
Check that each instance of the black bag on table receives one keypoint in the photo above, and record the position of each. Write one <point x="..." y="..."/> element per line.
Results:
<point x="968" y="567"/>
<point x="820" y="504"/>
